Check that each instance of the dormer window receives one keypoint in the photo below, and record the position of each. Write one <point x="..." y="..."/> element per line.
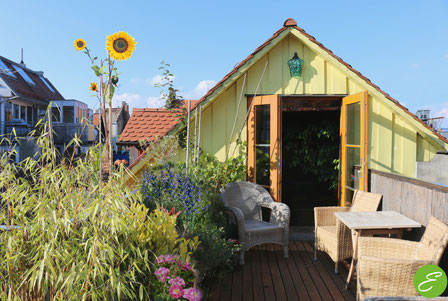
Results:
<point x="6" y="70"/>
<point x="46" y="83"/>
<point x="24" y="75"/>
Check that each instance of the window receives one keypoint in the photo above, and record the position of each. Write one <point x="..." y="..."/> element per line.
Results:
<point x="55" y="114"/>
<point x="68" y="114"/>
<point x="24" y="75"/>
<point x="6" y="70"/>
<point x="29" y="114"/>
<point x="16" y="110"/>
<point x="23" y="113"/>
<point x="46" y="83"/>
<point x="8" y="111"/>
<point x="41" y="112"/>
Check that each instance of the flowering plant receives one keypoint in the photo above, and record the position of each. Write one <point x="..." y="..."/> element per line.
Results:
<point x="174" y="279"/>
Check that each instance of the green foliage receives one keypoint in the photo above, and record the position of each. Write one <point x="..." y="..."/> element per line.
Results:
<point x="167" y="90"/>
<point x="71" y="236"/>
<point x="315" y="148"/>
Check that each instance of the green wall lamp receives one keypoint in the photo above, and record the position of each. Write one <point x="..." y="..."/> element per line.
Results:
<point x="295" y="66"/>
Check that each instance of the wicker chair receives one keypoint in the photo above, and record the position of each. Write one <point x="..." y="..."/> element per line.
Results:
<point x="331" y="235"/>
<point x="244" y="201"/>
<point x="386" y="266"/>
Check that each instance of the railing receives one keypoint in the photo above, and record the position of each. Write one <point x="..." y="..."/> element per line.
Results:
<point x="412" y="197"/>
<point x="63" y="132"/>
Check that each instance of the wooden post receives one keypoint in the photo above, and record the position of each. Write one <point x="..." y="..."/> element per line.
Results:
<point x="195" y="134"/>
<point x="188" y="137"/>
<point x="199" y="134"/>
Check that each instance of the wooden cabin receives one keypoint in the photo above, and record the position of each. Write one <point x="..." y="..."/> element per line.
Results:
<point x="265" y="99"/>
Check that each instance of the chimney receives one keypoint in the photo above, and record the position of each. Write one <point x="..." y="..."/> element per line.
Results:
<point x="125" y="106"/>
<point x="21" y="58"/>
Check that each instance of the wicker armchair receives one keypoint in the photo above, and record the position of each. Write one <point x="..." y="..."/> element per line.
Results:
<point x="244" y="201"/>
<point x="386" y="266"/>
<point x="331" y="235"/>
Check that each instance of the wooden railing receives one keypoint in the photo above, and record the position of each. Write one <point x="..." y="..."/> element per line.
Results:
<point x="412" y="197"/>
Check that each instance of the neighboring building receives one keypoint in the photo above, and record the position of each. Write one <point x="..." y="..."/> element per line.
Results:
<point x="265" y="97"/>
<point x="71" y="117"/>
<point x="147" y="126"/>
<point x="24" y="97"/>
<point x="120" y="117"/>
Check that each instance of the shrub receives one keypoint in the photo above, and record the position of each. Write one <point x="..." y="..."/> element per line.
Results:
<point x="72" y="236"/>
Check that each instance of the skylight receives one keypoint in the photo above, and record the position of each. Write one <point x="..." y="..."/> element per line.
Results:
<point x="24" y="75"/>
<point x="46" y="83"/>
<point x="6" y="70"/>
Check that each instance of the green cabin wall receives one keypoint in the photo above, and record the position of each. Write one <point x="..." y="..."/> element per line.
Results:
<point x="395" y="142"/>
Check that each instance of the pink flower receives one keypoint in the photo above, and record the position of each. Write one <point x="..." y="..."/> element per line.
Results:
<point x="177" y="281"/>
<point x="160" y="259"/>
<point x="192" y="294"/>
<point x="176" y="292"/>
<point x="169" y="258"/>
<point x="162" y="274"/>
<point x="186" y="266"/>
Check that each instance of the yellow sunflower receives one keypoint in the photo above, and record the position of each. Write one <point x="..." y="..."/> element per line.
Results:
<point x="120" y="45"/>
<point x="80" y="44"/>
<point x="93" y="86"/>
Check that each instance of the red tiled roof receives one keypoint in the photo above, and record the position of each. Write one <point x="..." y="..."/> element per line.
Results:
<point x="148" y="125"/>
<point x="21" y="88"/>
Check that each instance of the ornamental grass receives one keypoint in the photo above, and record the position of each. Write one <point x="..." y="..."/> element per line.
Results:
<point x="69" y="235"/>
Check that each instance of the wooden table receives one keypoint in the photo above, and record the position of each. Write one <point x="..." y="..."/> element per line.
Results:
<point x="374" y="223"/>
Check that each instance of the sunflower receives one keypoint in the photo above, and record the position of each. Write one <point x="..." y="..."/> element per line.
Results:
<point x="93" y="86"/>
<point x="80" y="44"/>
<point x="120" y="45"/>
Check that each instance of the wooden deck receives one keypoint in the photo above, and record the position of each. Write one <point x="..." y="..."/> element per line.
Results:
<point x="268" y="276"/>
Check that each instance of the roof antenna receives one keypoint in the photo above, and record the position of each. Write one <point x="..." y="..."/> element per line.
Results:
<point x="21" y="58"/>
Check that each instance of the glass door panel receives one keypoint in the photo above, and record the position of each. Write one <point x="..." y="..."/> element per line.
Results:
<point x="354" y="146"/>
<point x="263" y="143"/>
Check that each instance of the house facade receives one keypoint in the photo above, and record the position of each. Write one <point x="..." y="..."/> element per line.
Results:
<point x="24" y="97"/>
<point x="265" y="99"/>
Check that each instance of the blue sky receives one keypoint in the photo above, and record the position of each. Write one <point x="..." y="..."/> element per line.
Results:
<point x="402" y="46"/>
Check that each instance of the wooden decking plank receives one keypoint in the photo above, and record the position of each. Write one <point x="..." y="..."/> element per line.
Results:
<point x="247" y="278"/>
<point x="322" y="288"/>
<point x="226" y="287"/>
<point x="277" y="276"/>
<point x="237" y="284"/>
<point x="296" y="277"/>
<point x="266" y="276"/>
<point x="291" y="291"/>
<point x="257" y="281"/>
<point x="327" y="279"/>
<point x="300" y="266"/>
<point x="215" y="290"/>
<point x="328" y="265"/>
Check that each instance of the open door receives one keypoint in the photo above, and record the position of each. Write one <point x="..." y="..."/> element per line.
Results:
<point x="354" y="145"/>
<point x="264" y="143"/>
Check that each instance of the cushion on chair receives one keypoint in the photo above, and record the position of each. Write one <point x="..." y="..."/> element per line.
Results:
<point x="327" y="240"/>
<point x="254" y="225"/>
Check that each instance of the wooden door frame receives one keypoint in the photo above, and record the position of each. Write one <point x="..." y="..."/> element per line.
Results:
<point x="274" y="101"/>
<point x="362" y="98"/>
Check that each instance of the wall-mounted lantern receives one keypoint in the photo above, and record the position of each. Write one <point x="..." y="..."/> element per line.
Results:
<point x="295" y="66"/>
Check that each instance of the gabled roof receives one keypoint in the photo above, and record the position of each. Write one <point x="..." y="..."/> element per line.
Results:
<point x="20" y="87"/>
<point x="150" y="124"/>
<point x="291" y="23"/>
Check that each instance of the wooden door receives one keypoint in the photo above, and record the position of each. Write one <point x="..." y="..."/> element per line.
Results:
<point x="354" y="145"/>
<point x="264" y="143"/>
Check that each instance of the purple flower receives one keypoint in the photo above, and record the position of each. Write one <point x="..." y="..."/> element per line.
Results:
<point x="176" y="292"/>
<point x="186" y="266"/>
<point x="192" y="294"/>
<point x="178" y="281"/>
<point x="162" y="274"/>
<point x="169" y="258"/>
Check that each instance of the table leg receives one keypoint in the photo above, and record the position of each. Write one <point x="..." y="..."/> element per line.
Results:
<point x="355" y="235"/>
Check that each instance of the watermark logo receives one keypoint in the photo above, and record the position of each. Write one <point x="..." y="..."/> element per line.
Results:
<point x="430" y="281"/>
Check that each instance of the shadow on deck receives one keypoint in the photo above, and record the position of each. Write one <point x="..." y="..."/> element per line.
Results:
<point x="268" y="276"/>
